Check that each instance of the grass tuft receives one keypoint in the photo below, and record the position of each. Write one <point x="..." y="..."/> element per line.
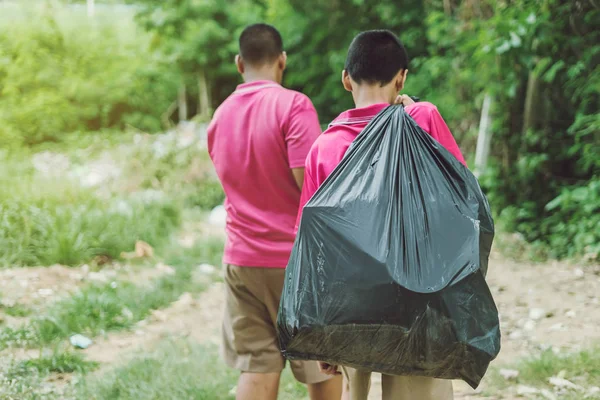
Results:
<point x="175" y="370"/>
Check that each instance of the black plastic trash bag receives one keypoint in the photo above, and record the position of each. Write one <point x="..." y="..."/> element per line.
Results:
<point x="387" y="272"/>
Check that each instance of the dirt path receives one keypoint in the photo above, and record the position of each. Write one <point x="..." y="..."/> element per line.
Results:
<point x="545" y="306"/>
<point x="553" y="305"/>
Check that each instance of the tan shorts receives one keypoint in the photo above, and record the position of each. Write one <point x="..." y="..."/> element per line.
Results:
<point x="358" y="385"/>
<point x="250" y="341"/>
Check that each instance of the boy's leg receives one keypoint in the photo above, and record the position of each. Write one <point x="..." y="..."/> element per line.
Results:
<point x="249" y="339"/>
<point x="415" y="387"/>
<point x="320" y="386"/>
<point x="252" y="386"/>
<point x="330" y="389"/>
<point x="358" y="383"/>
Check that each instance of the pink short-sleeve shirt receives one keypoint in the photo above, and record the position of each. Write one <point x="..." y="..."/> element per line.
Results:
<point x="256" y="137"/>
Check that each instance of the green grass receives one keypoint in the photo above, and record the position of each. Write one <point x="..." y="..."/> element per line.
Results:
<point x="582" y="368"/>
<point x="73" y="230"/>
<point x="175" y="370"/>
<point x="100" y="308"/>
<point x="59" y="362"/>
<point x="16" y="310"/>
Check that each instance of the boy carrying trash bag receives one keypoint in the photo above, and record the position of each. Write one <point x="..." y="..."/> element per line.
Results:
<point x="387" y="272"/>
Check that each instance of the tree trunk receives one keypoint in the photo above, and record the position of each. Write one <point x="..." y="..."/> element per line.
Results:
<point x="91" y="6"/>
<point x="484" y="138"/>
<point x="182" y="103"/>
<point x="531" y="115"/>
<point x="204" y="102"/>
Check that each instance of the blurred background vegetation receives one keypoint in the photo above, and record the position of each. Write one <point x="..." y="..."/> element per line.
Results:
<point x="143" y="66"/>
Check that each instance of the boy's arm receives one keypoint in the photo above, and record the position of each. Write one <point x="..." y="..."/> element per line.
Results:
<point x="301" y="132"/>
<point x="309" y="187"/>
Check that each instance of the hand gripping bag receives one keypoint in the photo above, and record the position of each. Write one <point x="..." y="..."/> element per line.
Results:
<point x="388" y="269"/>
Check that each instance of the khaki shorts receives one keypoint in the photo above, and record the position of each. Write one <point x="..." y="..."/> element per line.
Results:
<point x="250" y="341"/>
<point x="358" y="385"/>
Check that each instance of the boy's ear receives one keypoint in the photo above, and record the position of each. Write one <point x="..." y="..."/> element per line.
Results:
<point x="282" y="61"/>
<point x="401" y="79"/>
<point x="346" y="81"/>
<point x="239" y="63"/>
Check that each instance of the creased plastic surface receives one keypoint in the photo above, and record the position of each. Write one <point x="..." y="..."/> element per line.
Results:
<point x="387" y="272"/>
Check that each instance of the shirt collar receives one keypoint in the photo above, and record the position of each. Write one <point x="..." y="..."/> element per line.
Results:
<point x="255" y="85"/>
<point x="359" y="115"/>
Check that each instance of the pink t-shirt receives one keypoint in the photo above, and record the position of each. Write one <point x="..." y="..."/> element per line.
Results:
<point x="256" y="137"/>
<point x="329" y="149"/>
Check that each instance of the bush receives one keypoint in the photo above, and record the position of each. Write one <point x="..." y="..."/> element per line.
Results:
<point x="59" y="73"/>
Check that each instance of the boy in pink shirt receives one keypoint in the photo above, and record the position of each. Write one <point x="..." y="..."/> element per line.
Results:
<point x="258" y="141"/>
<point x="375" y="71"/>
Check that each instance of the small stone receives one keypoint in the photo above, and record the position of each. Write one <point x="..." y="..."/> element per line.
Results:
<point x="523" y="390"/>
<point x="537" y="313"/>
<point x="579" y="273"/>
<point x="515" y="335"/>
<point x="165" y="269"/>
<point x="529" y="325"/>
<point x="571" y="314"/>
<point x="126" y="312"/>
<point x="206" y="269"/>
<point x="184" y="301"/>
<point x="80" y="341"/>
<point x="159" y="316"/>
<point x="548" y="394"/>
<point x="563" y="383"/>
<point x="557" y="327"/>
<point x="592" y="392"/>
<point x="46" y="292"/>
<point x="509" y="374"/>
<point x="97" y="277"/>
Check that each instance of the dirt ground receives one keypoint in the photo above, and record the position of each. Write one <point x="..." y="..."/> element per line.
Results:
<point x="542" y="306"/>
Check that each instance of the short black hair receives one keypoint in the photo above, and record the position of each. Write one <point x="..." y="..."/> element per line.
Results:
<point x="260" y="44"/>
<point x="375" y="57"/>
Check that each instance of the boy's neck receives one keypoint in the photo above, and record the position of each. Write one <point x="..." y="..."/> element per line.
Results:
<point x="366" y="96"/>
<point x="262" y="74"/>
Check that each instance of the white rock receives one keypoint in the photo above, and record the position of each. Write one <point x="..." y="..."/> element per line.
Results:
<point x="523" y="390"/>
<point x="509" y="374"/>
<point x="557" y="327"/>
<point x="515" y="335"/>
<point x="165" y="269"/>
<point x="184" y="301"/>
<point x="529" y="325"/>
<point x="159" y="316"/>
<point x="571" y="314"/>
<point x="206" y="269"/>
<point x="563" y="383"/>
<point x="548" y="394"/>
<point x="218" y="216"/>
<point x="46" y="292"/>
<point x="537" y="313"/>
<point x="579" y="273"/>
<point x="97" y="277"/>
<point x="592" y="392"/>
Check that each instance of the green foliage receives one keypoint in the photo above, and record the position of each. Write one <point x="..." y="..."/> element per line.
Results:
<point x="60" y="362"/>
<point x="59" y="73"/>
<point x="71" y="230"/>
